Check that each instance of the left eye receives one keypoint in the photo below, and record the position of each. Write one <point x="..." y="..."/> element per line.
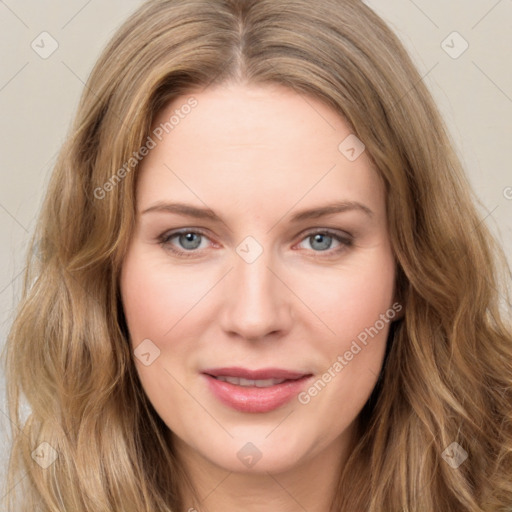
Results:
<point x="322" y="241"/>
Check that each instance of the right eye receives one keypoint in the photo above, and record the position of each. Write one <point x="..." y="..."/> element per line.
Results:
<point x="188" y="241"/>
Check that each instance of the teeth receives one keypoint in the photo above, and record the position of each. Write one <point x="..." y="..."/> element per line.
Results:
<point x="248" y="382"/>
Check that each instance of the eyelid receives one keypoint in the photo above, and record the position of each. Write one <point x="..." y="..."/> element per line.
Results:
<point x="166" y="236"/>
<point x="343" y="237"/>
<point x="327" y="231"/>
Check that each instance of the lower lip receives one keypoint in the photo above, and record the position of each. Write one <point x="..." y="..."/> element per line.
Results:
<point x="254" y="399"/>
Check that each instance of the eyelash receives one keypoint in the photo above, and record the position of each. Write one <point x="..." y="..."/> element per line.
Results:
<point x="345" y="241"/>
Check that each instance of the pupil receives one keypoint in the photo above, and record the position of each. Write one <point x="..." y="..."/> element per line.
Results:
<point x="324" y="244"/>
<point x="189" y="242"/>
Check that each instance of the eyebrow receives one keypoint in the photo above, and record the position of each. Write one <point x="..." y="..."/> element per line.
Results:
<point x="313" y="213"/>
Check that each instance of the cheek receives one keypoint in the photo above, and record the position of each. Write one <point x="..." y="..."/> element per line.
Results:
<point x="158" y="302"/>
<point x="353" y="299"/>
<point x="353" y="351"/>
<point x="156" y="296"/>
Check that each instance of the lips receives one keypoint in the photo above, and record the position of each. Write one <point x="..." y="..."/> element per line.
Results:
<point x="265" y="373"/>
<point x="255" y="391"/>
<point x="259" y="383"/>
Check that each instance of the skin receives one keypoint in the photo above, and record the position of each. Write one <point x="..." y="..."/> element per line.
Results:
<point x="256" y="155"/>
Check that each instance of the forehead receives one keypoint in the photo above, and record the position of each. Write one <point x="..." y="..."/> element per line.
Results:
<point x="242" y="142"/>
<point x="249" y="116"/>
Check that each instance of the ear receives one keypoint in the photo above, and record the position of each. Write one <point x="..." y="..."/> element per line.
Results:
<point x="399" y="295"/>
<point x="399" y="308"/>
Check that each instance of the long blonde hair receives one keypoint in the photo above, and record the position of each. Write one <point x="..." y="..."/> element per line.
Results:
<point x="447" y="376"/>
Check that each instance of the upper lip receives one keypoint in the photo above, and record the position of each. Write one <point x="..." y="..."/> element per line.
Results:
<point x="261" y="374"/>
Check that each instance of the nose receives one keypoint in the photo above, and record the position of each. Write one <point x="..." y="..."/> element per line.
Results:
<point x="257" y="304"/>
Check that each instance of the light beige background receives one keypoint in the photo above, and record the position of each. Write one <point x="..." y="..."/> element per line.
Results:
<point x="38" y="98"/>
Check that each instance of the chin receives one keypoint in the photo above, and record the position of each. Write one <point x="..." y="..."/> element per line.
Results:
<point x="254" y="452"/>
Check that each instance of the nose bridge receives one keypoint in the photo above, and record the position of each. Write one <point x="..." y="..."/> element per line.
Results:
<point x="256" y="302"/>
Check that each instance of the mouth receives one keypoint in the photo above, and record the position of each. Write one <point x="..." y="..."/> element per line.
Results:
<point x="255" y="391"/>
<point x="260" y="383"/>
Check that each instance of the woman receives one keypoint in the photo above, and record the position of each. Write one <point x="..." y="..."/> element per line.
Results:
<point x="260" y="280"/>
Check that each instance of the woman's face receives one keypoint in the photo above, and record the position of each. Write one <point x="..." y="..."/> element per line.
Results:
<point x="261" y="256"/>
